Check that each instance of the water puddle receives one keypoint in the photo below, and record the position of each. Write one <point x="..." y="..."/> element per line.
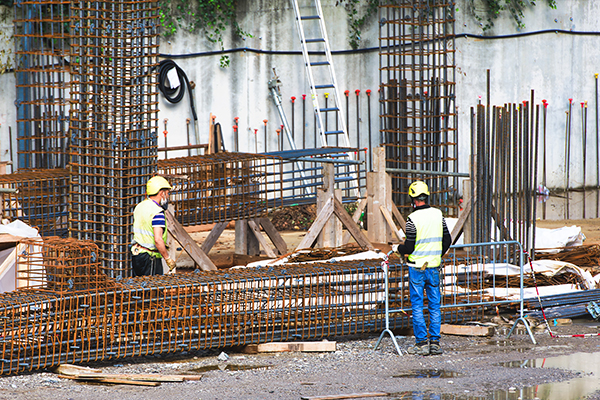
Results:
<point x="586" y="363"/>
<point x="428" y="373"/>
<point x="228" y="367"/>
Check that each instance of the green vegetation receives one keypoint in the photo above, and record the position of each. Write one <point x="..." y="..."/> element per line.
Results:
<point x="211" y="16"/>
<point x="496" y="8"/>
<point x="357" y="20"/>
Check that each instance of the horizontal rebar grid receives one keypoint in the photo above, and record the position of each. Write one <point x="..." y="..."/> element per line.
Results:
<point x="40" y="199"/>
<point x="42" y="82"/>
<point x="417" y="97"/>
<point x="54" y="321"/>
<point x="113" y="121"/>
<point x="222" y="187"/>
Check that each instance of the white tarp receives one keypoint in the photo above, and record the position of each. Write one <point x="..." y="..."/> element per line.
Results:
<point x="8" y="256"/>
<point x="548" y="239"/>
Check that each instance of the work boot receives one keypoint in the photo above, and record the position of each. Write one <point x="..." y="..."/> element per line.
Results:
<point x="435" y="348"/>
<point x="421" y="349"/>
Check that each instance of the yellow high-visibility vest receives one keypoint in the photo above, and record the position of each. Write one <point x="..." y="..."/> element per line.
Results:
<point x="143" y="233"/>
<point x="428" y="245"/>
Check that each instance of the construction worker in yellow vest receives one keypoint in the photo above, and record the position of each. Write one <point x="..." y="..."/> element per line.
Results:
<point x="150" y="230"/>
<point x="427" y="240"/>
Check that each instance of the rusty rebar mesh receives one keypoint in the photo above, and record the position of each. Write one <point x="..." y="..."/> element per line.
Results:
<point x="221" y="187"/>
<point x="113" y="121"/>
<point x="60" y="266"/>
<point x="42" y="82"/>
<point x="40" y="199"/>
<point x="418" y="115"/>
<point x="54" y="322"/>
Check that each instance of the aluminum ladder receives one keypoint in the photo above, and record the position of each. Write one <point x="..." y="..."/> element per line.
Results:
<point x="327" y="81"/>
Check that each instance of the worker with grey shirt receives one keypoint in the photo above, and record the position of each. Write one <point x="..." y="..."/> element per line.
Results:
<point x="150" y="230"/>
<point x="427" y="240"/>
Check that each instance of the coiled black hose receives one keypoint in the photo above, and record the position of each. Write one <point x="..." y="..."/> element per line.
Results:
<point x="174" y="95"/>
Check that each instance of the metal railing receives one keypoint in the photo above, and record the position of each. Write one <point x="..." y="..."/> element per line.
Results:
<point x="471" y="279"/>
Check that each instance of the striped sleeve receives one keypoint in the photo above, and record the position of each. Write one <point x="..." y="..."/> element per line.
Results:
<point x="411" y="237"/>
<point x="159" y="220"/>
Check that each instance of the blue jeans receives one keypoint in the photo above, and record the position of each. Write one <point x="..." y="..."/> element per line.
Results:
<point x="427" y="281"/>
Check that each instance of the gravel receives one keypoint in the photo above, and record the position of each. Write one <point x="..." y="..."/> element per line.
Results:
<point x="470" y="368"/>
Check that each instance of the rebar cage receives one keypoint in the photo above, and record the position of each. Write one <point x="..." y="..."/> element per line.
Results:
<point x="222" y="187"/>
<point x="42" y="82"/>
<point x="113" y="121"/>
<point x="57" y="317"/>
<point x="38" y="198"/>
<point x="417" y="98"/>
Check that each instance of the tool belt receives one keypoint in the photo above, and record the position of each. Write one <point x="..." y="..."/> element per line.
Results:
<point x="137" y="248"/>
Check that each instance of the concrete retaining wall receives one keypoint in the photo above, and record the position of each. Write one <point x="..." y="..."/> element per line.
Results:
<point x="558" y="66"/>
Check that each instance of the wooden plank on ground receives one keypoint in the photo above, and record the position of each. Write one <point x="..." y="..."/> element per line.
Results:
<point x="467" y="330"/>
<point x="135" y="377"/>
<point x="111" y="380"/>
<point x="261" y="239"/>
<point x="272" y="233"/>
<point x="353" y="228"/>
<point x="70" y="369"/>
<point x="346" y="396"/>
<point x="278" y="347"/>
<point x="213" y="236"/>
<point x="188" y="244"/>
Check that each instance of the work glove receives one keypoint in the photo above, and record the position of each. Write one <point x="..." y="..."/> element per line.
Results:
<point x="171" y="264"/>
<point x="395" y="248"/>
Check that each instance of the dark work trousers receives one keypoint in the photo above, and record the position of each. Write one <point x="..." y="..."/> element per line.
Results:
<point x="144" y="264"/>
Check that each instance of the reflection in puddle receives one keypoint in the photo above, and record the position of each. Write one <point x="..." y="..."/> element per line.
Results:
<point x="586" y="363"/>
<point x="576" y="389"/>
<point x="227" y="367"/>
<point x="434" y="396"/>
<point x="428" y="373"/>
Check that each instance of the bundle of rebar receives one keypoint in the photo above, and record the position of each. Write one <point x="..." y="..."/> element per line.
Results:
<point x="42" y="82"/>
<point x="417" y="98"/>
<point x="582" y="256"/>
<point x="113" y="122"/>
<point x="222" y="187"/>
<point x="503" y="171"/>
<point x="38" y="198"/>
<point x="67" y="311"/>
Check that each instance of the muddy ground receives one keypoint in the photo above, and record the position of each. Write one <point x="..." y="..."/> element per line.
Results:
<point x="470" y="368"/>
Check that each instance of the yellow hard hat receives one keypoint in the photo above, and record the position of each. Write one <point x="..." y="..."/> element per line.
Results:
<point x="156" y="184"/>
<point x="418" y="188"/>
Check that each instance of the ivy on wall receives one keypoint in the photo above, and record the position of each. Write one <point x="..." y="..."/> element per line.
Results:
<point x="211" y="16"/>
<point x="496" y="8"/>
<point x="357" y="20"/>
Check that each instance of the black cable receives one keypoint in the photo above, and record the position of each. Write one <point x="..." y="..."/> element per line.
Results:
<point x="174" y="95"/>
<point x="368" y="49"/>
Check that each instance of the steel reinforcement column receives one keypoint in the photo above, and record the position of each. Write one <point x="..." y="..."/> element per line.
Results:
<point x="417" y="97"/>
<point x="114" y="121"/>
<point x="41" y="52"/>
